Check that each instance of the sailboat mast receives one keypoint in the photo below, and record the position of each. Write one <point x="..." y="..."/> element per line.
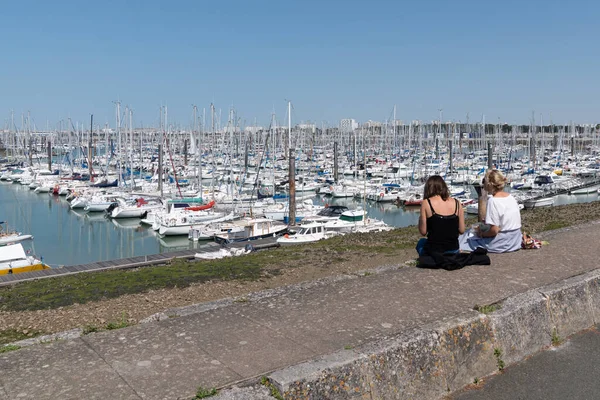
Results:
<point x="291" y="171"/>
<point x="118" y="138"/>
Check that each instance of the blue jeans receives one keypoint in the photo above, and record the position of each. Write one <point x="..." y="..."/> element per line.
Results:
<point x="421" y="248"/>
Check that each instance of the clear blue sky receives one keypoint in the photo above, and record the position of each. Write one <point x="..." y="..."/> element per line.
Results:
<point x="333" y="59"/>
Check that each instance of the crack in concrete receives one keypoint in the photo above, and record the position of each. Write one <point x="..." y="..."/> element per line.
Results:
<point x="111" y="368"/>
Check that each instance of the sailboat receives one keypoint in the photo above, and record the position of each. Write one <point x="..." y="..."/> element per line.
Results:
<point x="8" y="237"/>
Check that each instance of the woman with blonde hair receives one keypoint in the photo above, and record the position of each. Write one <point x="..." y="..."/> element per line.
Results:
<point x="442" y="219"/>
<point x="501" y="232"/>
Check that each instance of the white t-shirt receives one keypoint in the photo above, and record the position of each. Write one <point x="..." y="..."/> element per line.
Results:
<point x="503" y="212"/>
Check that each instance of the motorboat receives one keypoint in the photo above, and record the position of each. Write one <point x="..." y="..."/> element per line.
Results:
<point x="307" y="234"/>
<point x="539" y="202"/>
<point x="181" y="223"/>
<point x="210" y="230"/>
<point x="133" y="209"/>
<point x="100" y="203"/>
<point x="329" y="213"/>
<point x="14" y="260"/>
<point x="586" y="190"/>
<point x="355" y="221"/>
<point x="254" y="228"/>
<point x="280" y="211"/>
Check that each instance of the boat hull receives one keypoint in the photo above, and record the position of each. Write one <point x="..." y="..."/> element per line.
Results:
<point x="25" y="268"/>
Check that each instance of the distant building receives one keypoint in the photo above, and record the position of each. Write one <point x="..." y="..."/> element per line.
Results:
<point x="372" y="124"/>
<point x="348" y="125"/>
<point x="253" y="129"/>
<point x="308" y="127"/>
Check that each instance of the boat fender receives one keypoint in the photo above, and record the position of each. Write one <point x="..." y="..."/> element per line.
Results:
<point x="286" y="236"/>
<point x="381" y="194"/>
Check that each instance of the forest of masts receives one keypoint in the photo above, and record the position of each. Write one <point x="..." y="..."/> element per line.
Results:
<point x="386" y="139"/>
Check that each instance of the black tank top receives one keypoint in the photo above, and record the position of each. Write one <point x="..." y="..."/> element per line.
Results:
<point x="442" y="231"/>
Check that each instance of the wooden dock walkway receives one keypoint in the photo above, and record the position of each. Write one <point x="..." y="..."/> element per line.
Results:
<point x="551" y="190"/>
<point x="126" y="263"/>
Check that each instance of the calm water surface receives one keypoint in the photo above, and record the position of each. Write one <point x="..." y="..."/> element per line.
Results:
<point x="66" y="237"/>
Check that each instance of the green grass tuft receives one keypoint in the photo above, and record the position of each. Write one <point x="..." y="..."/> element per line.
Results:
<point x="8" y="347"/>
<point x="272" y="389"/>
<point x="14" y="335"/>
<point x="555" y="225"/>
<point x="487" y="309"/>
<point x="499" y="360"/>
<point x="203" y="393"/>
<point x="556" y="339"/>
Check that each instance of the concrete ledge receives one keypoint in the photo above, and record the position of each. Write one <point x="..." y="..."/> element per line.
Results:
<point x="430" y="362"/>
<point x="573" y="303"/>
<point x="522" y="326"/>
<point x="425" y="363"/>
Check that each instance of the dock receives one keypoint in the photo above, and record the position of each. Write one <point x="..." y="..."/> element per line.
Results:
<point x="555" y="189"/>
<point x="131" y="262"/>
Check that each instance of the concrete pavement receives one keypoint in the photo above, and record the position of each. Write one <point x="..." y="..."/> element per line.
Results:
<point x="569" y="371"/>
<point x="398" y="332"/>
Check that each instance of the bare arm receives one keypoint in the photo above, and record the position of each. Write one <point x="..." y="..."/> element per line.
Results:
<point x="461" y="219"/>
<point x="423" y="219"/>
<point x="493" y="231"/>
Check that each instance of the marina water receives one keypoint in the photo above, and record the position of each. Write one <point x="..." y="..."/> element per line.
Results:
<point x="66" y="237"/>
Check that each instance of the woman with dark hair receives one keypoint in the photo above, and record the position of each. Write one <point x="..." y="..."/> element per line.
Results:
<point x="442" y="219"/>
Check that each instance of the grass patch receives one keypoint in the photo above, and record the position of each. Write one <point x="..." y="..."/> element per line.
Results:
<point x="487" y="309"/>
<point x="116" y="325"/>
<point x="8" y="347"/>
<point x="499" y="361"/>
<point x="203" y="393"/>
<point x="84" y="288"/>
<point x="90" y="329"/>
<point x="272" y="389"/>
<point x="556" y="339"/>
<point x="555" y="225"/>
<point x="14" y="335"/>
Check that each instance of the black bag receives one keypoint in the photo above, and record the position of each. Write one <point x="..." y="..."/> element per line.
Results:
<point x="453" y="261"/>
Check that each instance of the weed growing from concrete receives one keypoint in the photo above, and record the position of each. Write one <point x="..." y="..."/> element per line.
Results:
<point x="118" y="325"/>
<point x="9" y="347"/>
<point x="499" y="360"/>
<point x="487" y="309"/>
<point x="476" y="381"/>
<point x="90" y="329"/>
<point x="203" y="393"/>
<point x="348" y="347"/>
<point x="556" y="339"/>
<point x="14" y="335"/>
<point x="272" y="389"/>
